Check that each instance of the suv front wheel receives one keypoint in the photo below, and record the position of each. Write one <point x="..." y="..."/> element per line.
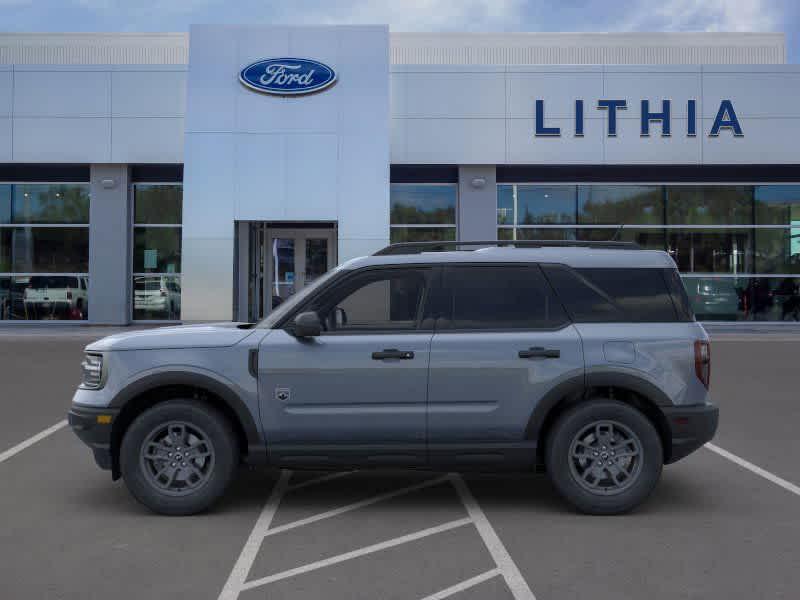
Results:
<point x="604" y="457"/>
<point x="178" y="457"/>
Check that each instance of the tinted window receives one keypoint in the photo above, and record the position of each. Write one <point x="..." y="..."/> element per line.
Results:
<point x="609" y="295"/>
<point x="375" y="301"/>
<point x="495" y="297"/>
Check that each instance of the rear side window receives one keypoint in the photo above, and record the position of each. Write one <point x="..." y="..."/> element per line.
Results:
<point x="499" y="297"/>
<point x="614" y="295"/>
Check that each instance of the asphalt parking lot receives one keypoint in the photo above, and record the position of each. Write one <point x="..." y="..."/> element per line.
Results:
<point x="713" y="529"/>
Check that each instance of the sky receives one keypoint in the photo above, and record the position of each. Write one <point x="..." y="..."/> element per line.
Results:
<point x="414" y="15"/>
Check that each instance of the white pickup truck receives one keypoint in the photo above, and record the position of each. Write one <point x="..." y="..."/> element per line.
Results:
<point x="56" y="297"/>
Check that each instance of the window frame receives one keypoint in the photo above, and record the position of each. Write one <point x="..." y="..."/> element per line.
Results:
<point x="132" y="225"/>
<point x="441" y="320"/>
<point x="83" y="277"/>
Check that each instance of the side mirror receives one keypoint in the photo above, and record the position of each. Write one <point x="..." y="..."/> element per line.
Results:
<point x="307" y="325"/>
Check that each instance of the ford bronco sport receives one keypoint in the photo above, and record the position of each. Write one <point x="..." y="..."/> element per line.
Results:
<point x="583" y="359"/>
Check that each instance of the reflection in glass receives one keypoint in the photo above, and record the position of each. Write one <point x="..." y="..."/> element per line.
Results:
<point x="156" y="297"/>
<point x="283" y="275"/>
<point x="422" y="234"/>
<point x="38" y="203"/>
<point x="44" y="297"/>
<point x="158" y="204"/>
<point x="44" y="249"/>
<point x="417" y="204"/>
<point x="744" y="298"/>
<point x="157" y="249"/>
<point x="709" y="205"/>
<point x="546" y="233"/>
<point x="546" y="205"/>
<point x="650" y="239"/>
<point x="316" y="258"/>
<point x="778" y="250"/>
<point x="777" y="205"/>
<point x="623" y="204"/>
<point x="712" y="250"/>
<point x="505" y="205"/>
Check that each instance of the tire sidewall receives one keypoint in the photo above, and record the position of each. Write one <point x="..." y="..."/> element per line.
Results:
<point x="557" y="456"/>
<point x="221" y="436"/>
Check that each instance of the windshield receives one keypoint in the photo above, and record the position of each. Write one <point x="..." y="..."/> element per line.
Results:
<point x="289" y="304"/>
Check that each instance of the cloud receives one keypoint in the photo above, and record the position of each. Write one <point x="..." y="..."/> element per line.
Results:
<point x="414" y="15"/>
<point x="705" y="15"/>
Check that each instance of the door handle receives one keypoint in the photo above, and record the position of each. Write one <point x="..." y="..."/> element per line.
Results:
<point x="393" y="353"/>
<point x="539" y="352"/>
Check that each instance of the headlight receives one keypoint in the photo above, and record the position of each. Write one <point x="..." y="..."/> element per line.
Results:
<point x="92" y="371"/>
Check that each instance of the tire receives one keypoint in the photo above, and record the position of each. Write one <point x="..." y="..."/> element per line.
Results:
<point x="199" y="478"/>
<point x="604" y="490"/>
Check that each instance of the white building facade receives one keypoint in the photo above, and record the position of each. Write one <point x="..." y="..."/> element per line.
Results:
<point x="146" y="178"/>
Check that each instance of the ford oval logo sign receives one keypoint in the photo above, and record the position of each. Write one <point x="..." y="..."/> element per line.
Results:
<point x="287" y="76"/>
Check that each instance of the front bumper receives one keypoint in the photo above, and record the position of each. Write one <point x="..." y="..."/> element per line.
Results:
<point x="93" y="432"/>
<point x="691" y="426"/>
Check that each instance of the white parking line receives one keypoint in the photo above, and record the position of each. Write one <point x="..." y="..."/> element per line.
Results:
<point x="514" y="579"/>
<point x="788" y="486"/>
<point x="31" y="441"/>
<point x="248" y="554"/>
<point x="357" y="553"/>
<point x="464" y="585"/>
<point x="318" y="480"/>
<point x="355" y="505"/>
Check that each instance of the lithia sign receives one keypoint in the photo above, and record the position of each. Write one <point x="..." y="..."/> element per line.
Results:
<point x="725" y="120"/>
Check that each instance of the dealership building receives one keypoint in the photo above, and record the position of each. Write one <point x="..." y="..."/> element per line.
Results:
<point x="208" y="175"/>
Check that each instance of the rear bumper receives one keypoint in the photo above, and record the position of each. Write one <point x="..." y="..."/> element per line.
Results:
<point x="83" y="421"/>
<point x="691" y="426"/>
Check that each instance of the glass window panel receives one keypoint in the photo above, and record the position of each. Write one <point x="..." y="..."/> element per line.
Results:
<point x="44" y="298"/>
<point x="778" y="250"/>
<point x="709" y="205"/>
<point x="505" y="233"/>
<point x="316" y="258"/>
<point x="283" y="273"/>
<point x="712" y="250"/>
<point x="777" y="205"/>
<point x="651" y="239"/>
<point x="538" y="204"/>
<point x="623" y="204"/>
<point x="156" y="297"/>
<point x="385" y="300"/>
<point x="720" y="298"/>
<point x="44" y="249"/>
<point x="501" y="298"/>
<point x="158" y="204"/>
<point x="48" y="203"/>
<point x="5" y="203"/>
<point x="546" y="233"/>
<point x="157" y="249"/>
<point x="785" y="305"/>
<point x="423" y="204"/>
<point x="505" y="204"/>
<point x="422" y="234"/>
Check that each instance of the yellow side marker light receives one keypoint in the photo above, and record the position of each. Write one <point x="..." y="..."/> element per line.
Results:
<point x="104" y="419"/>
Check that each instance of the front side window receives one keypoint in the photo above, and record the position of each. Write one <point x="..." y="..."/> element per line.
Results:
<point x="499" y="297"/>
<point x="157" y="215"/>
<point x="380" y="300"/>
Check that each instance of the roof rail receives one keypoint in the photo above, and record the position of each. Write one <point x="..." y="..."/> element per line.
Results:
<point x="446" y="246"/>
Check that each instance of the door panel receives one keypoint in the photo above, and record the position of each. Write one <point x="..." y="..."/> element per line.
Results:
<point x="482" y="391"/>
<point x="323" y="398"/>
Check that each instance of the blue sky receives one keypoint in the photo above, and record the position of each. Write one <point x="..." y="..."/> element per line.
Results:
<point x="414" y="15"/>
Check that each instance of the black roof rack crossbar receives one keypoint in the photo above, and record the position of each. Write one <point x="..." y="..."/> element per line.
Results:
<point x="419" y="247"/>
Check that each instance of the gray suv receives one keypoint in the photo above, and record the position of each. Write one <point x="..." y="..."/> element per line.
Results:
<point x="582" y="359"/>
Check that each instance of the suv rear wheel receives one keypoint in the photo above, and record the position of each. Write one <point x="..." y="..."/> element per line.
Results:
<point x="178" y="457"/>
<point x="604" y="457"/>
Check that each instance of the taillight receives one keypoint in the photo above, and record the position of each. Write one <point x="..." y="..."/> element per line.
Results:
<point x="702" y="361"/>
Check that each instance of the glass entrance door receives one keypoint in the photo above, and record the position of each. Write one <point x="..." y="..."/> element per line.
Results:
<point x="285" y="261"/>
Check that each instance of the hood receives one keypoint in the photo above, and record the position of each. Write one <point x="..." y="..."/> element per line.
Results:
<point x="207" y="335"/>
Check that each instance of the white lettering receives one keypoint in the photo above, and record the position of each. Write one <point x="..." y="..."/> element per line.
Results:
<point x="276" y="74"/>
